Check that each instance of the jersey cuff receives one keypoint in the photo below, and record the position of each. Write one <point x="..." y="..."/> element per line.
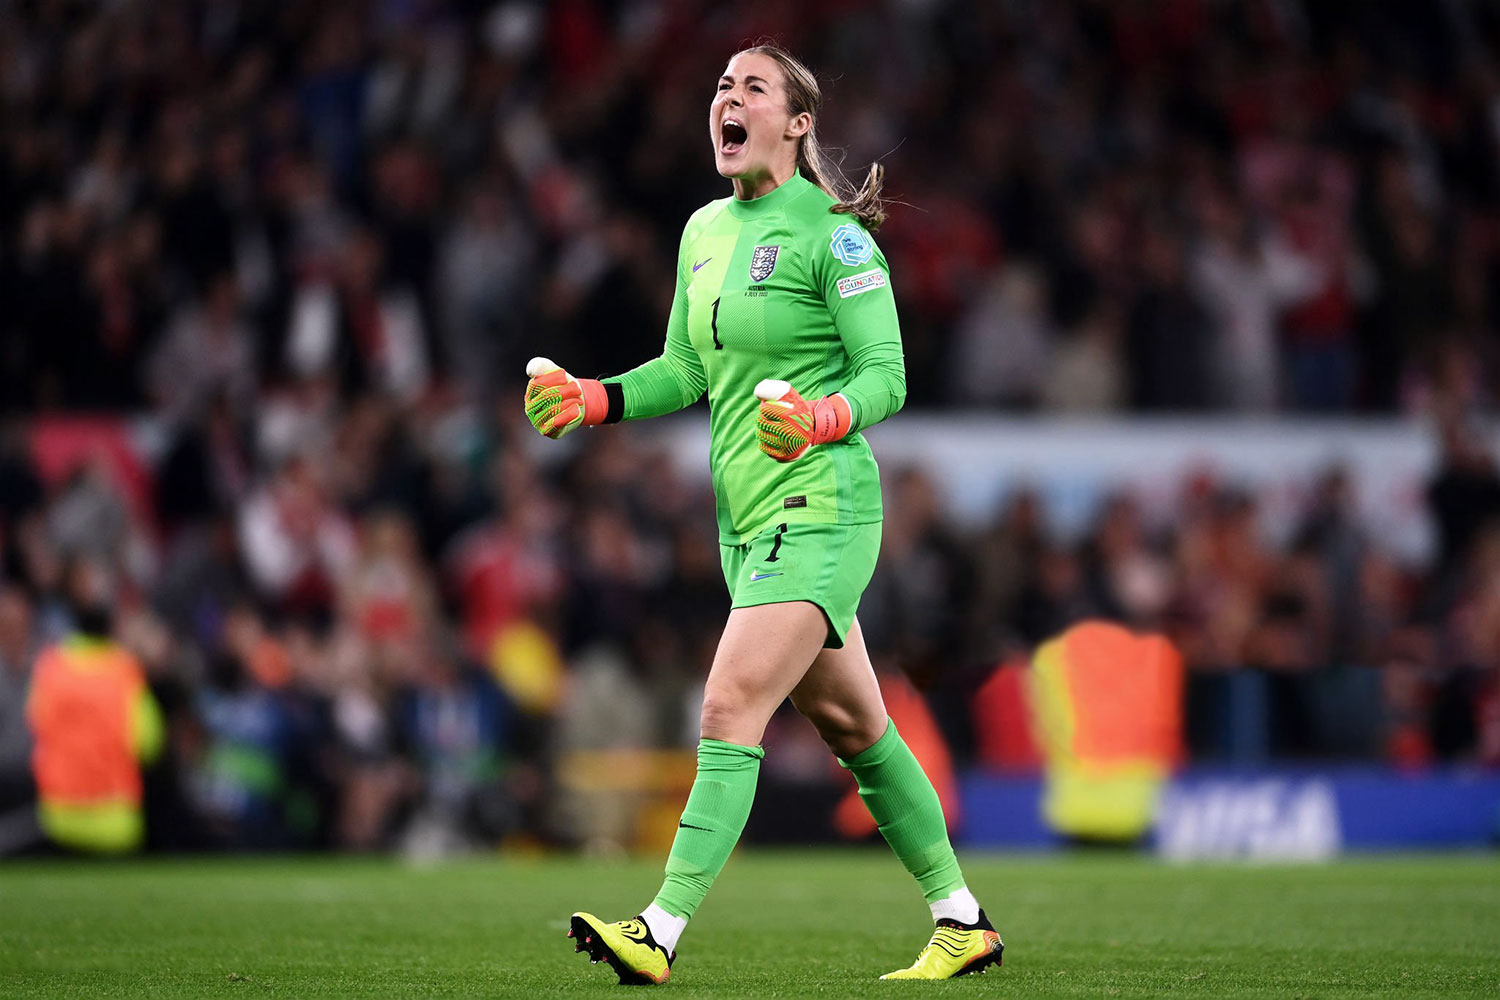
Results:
<point x="616" y="395"/>
<point x="853" y="413"/>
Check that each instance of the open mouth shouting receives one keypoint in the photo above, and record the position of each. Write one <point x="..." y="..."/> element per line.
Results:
<point x="732" y="135"/>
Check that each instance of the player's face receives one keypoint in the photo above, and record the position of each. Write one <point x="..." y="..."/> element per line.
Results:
<point x="752" y="132"/>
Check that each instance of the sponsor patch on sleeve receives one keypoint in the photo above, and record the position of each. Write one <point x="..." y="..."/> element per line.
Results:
<point x="862" y="282"/>
<point x="851" y="245"/>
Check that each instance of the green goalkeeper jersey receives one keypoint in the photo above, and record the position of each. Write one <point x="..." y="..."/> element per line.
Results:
<point x="778" y="287"/>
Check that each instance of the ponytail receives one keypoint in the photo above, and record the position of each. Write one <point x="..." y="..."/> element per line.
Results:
<point x="866" y="205"/>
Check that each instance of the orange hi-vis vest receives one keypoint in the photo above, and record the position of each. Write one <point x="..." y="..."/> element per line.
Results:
<point x="83" y="711"/>
<point x="1108" y="706"/>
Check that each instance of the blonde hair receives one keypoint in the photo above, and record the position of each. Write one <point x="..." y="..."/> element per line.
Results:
<point x="804" y="94"/>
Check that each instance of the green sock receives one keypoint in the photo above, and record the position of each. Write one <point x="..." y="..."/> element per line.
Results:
<point x="906" y="808"/>
<point x="712" y="821"/>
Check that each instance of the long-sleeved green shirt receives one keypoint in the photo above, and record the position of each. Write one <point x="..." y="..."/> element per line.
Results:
<point x="778" y="287"/>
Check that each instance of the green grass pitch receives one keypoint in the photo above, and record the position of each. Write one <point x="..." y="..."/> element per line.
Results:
<point x="805" y="924"/>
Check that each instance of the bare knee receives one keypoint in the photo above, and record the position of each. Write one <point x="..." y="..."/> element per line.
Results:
<point x="717" y="717"/>
<point x="847" y="732"/>
<point x="730" y="714"/>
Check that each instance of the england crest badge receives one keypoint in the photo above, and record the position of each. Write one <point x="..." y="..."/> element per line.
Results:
<point x="762" y="263"/>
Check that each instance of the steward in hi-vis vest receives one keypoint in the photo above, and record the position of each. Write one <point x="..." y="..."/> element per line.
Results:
<point x="94" y="723"/>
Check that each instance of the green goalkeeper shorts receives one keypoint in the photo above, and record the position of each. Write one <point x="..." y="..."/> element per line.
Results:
<point x="827" y="564"/>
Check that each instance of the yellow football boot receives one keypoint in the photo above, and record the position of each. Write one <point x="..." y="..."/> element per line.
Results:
<point x="627" y="945"/>
<point x="955" y="950"/>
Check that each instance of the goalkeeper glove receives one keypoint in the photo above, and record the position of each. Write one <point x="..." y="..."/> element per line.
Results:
<point x="789" y="425"/>
<point x="556" y="402"/>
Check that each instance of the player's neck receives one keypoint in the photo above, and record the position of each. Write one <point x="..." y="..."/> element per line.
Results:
<point x="758" y="186"/>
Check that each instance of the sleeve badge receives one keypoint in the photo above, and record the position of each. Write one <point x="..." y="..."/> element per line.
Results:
<point x="851" y="245"/>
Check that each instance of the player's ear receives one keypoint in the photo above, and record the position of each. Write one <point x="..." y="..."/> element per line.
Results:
<point x="799" y="126"/>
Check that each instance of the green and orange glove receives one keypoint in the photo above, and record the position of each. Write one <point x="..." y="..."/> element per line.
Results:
<point x="556" y="402"/>
<point x="788" y="425"/>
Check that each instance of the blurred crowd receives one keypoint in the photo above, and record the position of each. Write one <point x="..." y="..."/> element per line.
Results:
<point x="1252" y="205"/>
<point x="291" y="258"/>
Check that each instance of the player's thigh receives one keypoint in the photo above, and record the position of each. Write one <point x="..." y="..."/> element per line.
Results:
<point x="765" y="651"/>
<point x="827" y="564"/>
<point x="841" y="697"/>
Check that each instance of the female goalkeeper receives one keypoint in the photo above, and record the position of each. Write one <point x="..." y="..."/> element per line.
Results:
<point x="784" y="314"/>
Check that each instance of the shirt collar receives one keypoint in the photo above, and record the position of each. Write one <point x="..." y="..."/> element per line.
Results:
<point x="777" y="199"/>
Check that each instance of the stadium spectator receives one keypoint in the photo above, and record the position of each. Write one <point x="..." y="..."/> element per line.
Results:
<point x="459" y="728"/>
<point x="94" y="724"/>
<point x="295" y="541"/>
<point x="1464" y="495"/>
<point x="17" y="654"/>
<point x="206" y="353"/>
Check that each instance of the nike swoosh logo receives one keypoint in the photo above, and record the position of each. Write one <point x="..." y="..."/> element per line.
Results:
<point x="705" y="260"/>
<point x="756" y="577"/>
<point x="634" y="930"/>
<point x="689" y="826"/>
